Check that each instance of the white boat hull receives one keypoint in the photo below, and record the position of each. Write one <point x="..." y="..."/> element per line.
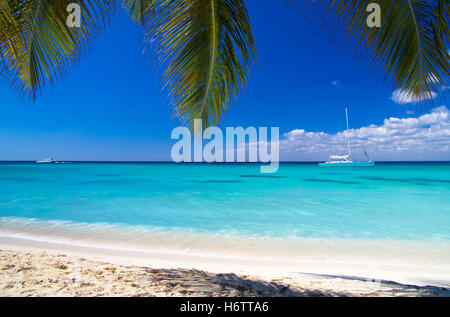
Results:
<point x="347" y="164"/>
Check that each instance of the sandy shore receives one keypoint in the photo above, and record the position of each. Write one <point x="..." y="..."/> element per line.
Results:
<point x="33" y="272"/>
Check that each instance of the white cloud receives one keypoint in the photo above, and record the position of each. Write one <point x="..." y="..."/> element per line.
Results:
<point x="424" y="138"/>
<point x="335" y="83"/>
<point x="401" y="97"/>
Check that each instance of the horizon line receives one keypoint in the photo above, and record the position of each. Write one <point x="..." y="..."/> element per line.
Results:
<point x="125" y="161"/>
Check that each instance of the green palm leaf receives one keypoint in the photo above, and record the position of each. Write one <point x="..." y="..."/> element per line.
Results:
<point x="139" y="10"/>
<point x="7" y="24"/>
<point x="409" y="45"/>
<point x="441" y="27"/>
<point x="6" y="18"/>
<point x="37" y="46"/>
<point x="207" y="49"/>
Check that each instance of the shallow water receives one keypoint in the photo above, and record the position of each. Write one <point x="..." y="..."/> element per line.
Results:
<point x="395" y="201"/>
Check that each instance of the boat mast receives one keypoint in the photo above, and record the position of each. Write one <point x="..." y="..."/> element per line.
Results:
<point x="348" y="137"/>
<point x="367" y="155"/>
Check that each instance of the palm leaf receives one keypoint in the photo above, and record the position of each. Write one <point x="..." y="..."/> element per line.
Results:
<point x="207" y="49"/>
<point x="38" y="47"/>
<point x="409" y="45"/>
<point x="6" y="18"/>
<point x="7" y="25"/>
<point x="139" y="10"/>
<point x="441" y="27"/>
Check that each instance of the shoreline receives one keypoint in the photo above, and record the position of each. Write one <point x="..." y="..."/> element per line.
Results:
<point x="25" y="261"/>
<point x="409" y="262"/>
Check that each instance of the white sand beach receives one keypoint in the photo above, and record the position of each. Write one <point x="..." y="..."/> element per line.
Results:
<point x="36" y="268"/>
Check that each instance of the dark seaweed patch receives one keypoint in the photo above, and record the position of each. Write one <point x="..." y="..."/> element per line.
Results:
<point x="329" y="181"/>
<point x="406" y="180"/>
<point x="111" y="181"/>
<point x="107" y="175"/>
<point x="21" y="179"/>
<point x="262" y="176"/>
<point x="212" y="181"/>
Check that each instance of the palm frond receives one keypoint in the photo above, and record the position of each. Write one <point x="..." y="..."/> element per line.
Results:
<point x="207" y="49"/>
<point x="409" y="45"/>
<point x="6" y="18"/>
<point x="441" y="26"/>
<point x="37" y="47"/>
<point x="139" y="10"/>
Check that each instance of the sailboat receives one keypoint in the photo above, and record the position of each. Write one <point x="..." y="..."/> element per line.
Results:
<point x="345" y="160"/>
<point x="47" y="161"/>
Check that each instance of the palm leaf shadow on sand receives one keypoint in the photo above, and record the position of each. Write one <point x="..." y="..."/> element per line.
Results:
<point x="390" y="288"/>
<point x="200" y="283"/>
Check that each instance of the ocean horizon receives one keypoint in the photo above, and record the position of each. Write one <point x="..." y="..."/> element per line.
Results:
<point x="220" y="163"/>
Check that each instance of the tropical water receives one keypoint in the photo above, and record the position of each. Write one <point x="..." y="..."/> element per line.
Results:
<point x="389" y="201"/>
<point x="189" y="207"/>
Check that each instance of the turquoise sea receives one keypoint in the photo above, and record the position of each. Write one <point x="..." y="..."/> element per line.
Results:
<point x="396" y="201"/>
<point x="393" y="219"/>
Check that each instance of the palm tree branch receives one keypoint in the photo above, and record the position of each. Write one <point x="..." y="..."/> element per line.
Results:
<point x="213" y="58"/>
<point x="409" y="45"/>
<point x="139" y="10"/>
<point x="38" y="46"/>
<point x="207" y="49"/>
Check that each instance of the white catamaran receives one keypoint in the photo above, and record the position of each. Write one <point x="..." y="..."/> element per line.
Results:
<point x="47" y="161"/>
<point x="345" y="160"/>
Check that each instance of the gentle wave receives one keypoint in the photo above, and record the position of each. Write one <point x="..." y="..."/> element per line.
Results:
<point x="176" y="242"/>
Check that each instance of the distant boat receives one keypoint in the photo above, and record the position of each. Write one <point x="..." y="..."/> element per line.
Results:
<point x="47" y="161"/>
<point x="345" y="160"/>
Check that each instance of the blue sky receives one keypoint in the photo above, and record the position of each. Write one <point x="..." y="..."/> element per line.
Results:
<point x="111" y="106"/>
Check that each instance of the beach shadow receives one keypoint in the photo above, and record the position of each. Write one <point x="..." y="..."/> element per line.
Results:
<point x="199" y="283"/>
<point x="391" y="288"/>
